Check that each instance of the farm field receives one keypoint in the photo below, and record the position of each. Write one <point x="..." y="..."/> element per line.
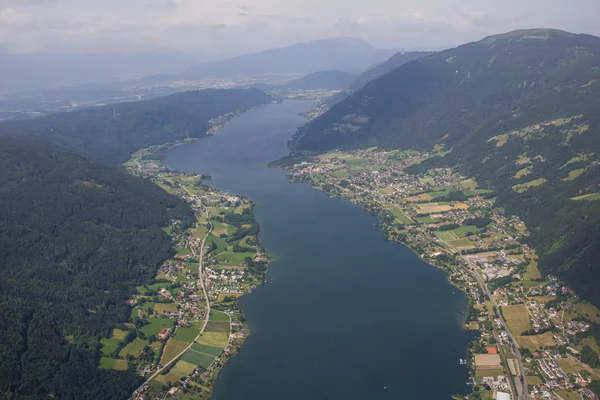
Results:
<point x="172" y="348"/>
<point x="568" y="394"/>
<point x="109" y="345"/>
<point x="401" y="217"/>
<point x="231" y="258"/>
<point x="589" y="197"/>
<point x="340" y="173"/>
<point x="574" y="174"/>
<point x="522" y="187"/>
<point x="517" y="319"/>
<point x="113" y="363"/>
<point x="468" y="184"/>
<point x="533" y="273"/>
<point x="195" y="357"/>
<point x="156" y="324"/>
<point x="190" y="333"/>
<point x="430" y="208"/>
<point x="165" y="307"/>
<point x="218" y="316"/>
<point x="536" y="341"/>
<point x="462" y="231"/>
<point x="214" y="339"/>
<point x="118" y="334"/>
<point x="133" y="348"/>
<point x="590" y="311"/>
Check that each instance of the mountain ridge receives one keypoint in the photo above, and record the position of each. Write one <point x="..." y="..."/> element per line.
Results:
<point x="526" y="96"/>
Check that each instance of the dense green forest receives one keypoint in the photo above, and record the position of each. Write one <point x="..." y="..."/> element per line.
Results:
<point x="519" y="112"/>
<point x="112" y="133"/>
<point x="75" y="238"/>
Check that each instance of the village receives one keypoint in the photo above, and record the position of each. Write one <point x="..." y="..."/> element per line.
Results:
<point x="536" y="337"/>
<point x="186" y="323"/>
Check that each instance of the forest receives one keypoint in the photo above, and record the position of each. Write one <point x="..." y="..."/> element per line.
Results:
<point x="516" y="111"/>
<point x="113" y="132"/>
<point x="75" y="238"/>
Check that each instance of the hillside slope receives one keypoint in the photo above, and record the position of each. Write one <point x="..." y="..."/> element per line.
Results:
<point x="75" y="238"/>
<point x="525" y="102"/>
<point x="112" y="133"/>
<point x="388" y="66"/>
<point x="329" y="80"/>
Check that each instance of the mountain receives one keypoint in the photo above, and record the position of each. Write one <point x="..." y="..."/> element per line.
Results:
<point x="330" y="80"/>
<point x="35" y="71"/>
<point x="76" y="237"/>
<point x="388" y="66"/>
<point x="112" y="133"/>
<point x="347" y="54"/>
<point x="511" y="109"/>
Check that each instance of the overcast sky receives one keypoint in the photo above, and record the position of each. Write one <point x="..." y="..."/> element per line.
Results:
<point x="240" y="26"/>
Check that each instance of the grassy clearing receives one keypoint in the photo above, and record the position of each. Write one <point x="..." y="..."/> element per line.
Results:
<point x="182" y="368"/>
<point x="231" y="258"/>
<point x="589" y="197"/>
<point x="432" y="208"/>
<point x="574" y="174"/>
<point x="523" y="172"/>
<point x="190" y="333"/>
<point x="533" y="273"/>
<point x="118" y="334"/>
<point x="520" y="188"/>
<point x="220" y="243"/>
<point x="218" y="316"/>
<point x="461" y="243"/>
<point x="445" y="236"/>
<point x="172" y="348"/>
<point x="109" y="345"/>
<point x="462" y="231"/>
<point x="340" y="173"/>
<point x="590" y="311"/>
<point x="386" y="191"/>
<point x="107" y="362"/>
<point x="535" y="342"/>
<point x="211" y="351"/>
<point x="192" y="356"/>
<point x="581" y="157"/>
<point x="181" y="251"/>
<point x="534" y="380"/>
<point x="489" y="372"/>
<point x="156" y="324"/>
<point x="214" y="339"/>
<point x="221" y="326"/>
<point x="468" y="184"/>
<point x="590" y="341"/>
<point x="421" y="197"/>
<point x="440" y="193"/>
<point x="401" y="217"/>
<point x="568" y="394"/>
<point x="161" y="308"/>
<point x="357" y="161"/>
<point x="133" y="348"/>
<point x="517" y="319"/>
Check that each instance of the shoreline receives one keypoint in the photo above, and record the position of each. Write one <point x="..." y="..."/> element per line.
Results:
<point x="149" y="163"/>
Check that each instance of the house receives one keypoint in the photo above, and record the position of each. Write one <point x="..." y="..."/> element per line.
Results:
<point x="163" y="334"/>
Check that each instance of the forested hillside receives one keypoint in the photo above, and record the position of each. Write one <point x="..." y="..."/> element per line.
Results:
<point x="394" y="62"/>
<point x="112" y="133"/>
<point x="519" y="112"/>
<point x="330" y="80"/>
<point x="75" y="238"/>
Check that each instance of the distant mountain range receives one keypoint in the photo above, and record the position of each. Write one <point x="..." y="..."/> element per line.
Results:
<point x="344" y="54"/>
<point x="510" y="109"/>
<point x="329" y="80"/>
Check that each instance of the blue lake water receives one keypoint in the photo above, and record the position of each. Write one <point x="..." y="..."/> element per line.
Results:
<point x="346" y="314"/>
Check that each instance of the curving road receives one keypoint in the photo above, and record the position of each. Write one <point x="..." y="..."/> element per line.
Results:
<point x="201" y="284"/>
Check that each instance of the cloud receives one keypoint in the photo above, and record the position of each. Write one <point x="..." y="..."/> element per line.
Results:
<point x="209" y="26"/>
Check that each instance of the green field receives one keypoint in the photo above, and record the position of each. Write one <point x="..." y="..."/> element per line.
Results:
<point x="574" y="174"/>
<point x="172" y="348"/>
<point x="589" y="197"/>
<point x="133" y="348"/>
<point x="221" y="326"/>
<point x="109" y="345"/>
<point x="182" y="368"/>
<point x="443" y="192"/>
<point x="118" y="334"/>
<point x="159" y="285"/>
<point x="214" y="339"/>
<point x="218" y="316"/>
<point x="233" y="258"/>
<point x="445" y="236"/>
<point x="165" y="307"/>
<point x="533" y="273"/>
<point x="340" y="173"/>
<point x="427" y="220"/>
<point x="462" y="231"/>
<point x="468" y="184"/>
<point x="193" y="357"/>
<point x="211" y="351"/>
<point x="461" y="243"/>
<point x="221" y="246"/>
<point x="156" y="324"/>
<point x="113" y="363"/>
<point x="524" y="186"/>
<point x="401" y="217"/>
<point x="189" y="334"/>
<point x="357" y="161"/>
<point x="181" y="251"/>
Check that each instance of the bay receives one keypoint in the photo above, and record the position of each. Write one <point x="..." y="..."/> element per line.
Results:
<point x="344" y="314"/>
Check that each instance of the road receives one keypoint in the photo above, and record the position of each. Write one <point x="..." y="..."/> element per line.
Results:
<point x="474" y="271"/>
<point x="200" y="284"/>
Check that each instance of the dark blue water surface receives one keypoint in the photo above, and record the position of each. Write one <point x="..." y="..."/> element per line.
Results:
<point x="346" y="314"/>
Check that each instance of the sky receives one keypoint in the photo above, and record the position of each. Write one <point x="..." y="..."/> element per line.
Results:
<point x="242" y="26"/>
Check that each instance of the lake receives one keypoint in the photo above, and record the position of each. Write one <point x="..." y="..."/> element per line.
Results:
<point x="344" y="314"/>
